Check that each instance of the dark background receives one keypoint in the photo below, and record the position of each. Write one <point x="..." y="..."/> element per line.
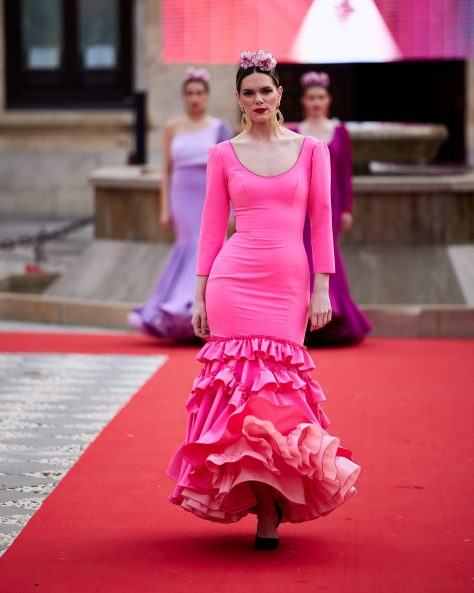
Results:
<point x="417" y="92"/>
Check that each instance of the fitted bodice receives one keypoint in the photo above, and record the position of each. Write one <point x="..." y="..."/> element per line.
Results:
<point x="190" y="149"/>
<point x="268" y="206"/>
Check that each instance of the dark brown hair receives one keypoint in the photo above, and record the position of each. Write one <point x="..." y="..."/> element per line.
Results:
<point x="327" y="88"/>
<point x="243" y="72"/>
<point x="204" y="83"/>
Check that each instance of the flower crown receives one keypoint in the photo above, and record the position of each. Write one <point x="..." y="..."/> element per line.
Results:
<point x="310" y="78"/>
<point x="196" y="74"/>
<point x="257" y="59"/>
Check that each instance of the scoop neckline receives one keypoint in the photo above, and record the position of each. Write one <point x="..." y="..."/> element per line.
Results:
<point x="269" y="176"/>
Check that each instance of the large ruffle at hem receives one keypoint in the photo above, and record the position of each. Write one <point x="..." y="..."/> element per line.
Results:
<point x="254" y="415"/>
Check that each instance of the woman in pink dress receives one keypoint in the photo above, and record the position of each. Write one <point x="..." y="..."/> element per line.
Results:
<point x="348" y="324"/>
<point x="256" y="439"/>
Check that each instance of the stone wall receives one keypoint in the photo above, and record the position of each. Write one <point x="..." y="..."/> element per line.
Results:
<point x="46" y="156"/>
<point x="163" y="81"/>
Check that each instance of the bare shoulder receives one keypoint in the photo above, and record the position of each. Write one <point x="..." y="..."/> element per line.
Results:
<point x="290" y="134"/>
<point x="173" y="124"/>
<point x="241" y="138"/>
<point x="292" y="139"/>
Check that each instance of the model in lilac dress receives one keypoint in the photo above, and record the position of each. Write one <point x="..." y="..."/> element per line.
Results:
<point x="348" y="325"/>
<point x="168" y="312"/>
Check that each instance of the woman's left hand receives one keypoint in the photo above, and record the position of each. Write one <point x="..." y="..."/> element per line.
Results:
<point x="346" y="222"/>
<point x="320" y="312"/>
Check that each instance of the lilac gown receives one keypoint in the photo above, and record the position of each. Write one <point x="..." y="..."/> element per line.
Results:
<point x="349" y="325"/>
<point x="169" y="309"/>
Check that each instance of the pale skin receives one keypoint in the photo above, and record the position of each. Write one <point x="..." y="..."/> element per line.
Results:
<point x="316" y="102"/>
<point x="268" y="149"/>
<point x="195" y="99"/>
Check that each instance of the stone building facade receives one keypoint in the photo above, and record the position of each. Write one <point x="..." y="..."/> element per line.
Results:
<point x="47" y="155"/>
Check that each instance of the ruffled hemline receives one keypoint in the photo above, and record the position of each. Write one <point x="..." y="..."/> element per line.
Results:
<point x="254" y="415"/>
<point x="163" y="325"/>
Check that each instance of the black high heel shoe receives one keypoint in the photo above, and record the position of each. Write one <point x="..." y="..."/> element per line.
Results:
<point x="279" y="512"/>
<point x="269" y="543"/>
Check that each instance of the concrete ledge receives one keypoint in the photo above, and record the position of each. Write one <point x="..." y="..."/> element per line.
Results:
<point x="79" y="120"/>
<point x="423" y="321"/>
<point x="60" y="310"/>
<point x="425" y="184"/>
<point x="149" y="177"/>
<point x="137" y="177"/>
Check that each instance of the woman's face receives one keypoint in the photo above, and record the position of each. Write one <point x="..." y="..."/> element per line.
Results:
<point x="259" y="97"/>
<point x="195" y="97"/>
<point x="316" y="101"/>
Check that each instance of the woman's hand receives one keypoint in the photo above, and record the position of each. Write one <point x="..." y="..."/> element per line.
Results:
<point x="320" y="311"/>
<point x="346" y="222"/>
<point x="199" y="320"/>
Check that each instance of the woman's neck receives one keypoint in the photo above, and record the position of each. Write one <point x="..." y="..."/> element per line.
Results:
<point x="197" y="117"/>
<point x="317" y="120"/>
<point x="264" y="132"/>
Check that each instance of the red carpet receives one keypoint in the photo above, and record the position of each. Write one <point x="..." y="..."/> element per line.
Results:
<point x="403" y="406"/>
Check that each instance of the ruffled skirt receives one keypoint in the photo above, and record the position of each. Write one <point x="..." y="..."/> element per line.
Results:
<point x="254" y="415"/>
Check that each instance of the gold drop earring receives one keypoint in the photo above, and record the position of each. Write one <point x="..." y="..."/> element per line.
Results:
<point x="245" y="122"/>
<point x="279" y="119"/>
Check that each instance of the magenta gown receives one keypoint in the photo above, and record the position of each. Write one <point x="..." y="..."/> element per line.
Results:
<point x="349" y="325"/>
<point x="254" y="408"/>
<point x="168" y="311"/>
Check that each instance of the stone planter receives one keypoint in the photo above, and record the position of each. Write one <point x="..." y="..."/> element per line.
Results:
<point x="127" y="204"/>
<point x="394" y="143"/>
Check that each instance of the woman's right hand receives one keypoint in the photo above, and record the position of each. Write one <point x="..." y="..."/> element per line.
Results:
<point x="199" y="320"/>
<point x="346" y="222"/>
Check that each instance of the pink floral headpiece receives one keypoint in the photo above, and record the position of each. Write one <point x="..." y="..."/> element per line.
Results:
<point x="257" y="59"/>
<point x="310" y="78"/>
<point x="197" y="74"/>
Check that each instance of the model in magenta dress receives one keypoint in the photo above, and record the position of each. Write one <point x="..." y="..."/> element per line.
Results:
<point x="168" y="311"/>
<point x="254" y="409"/>
<point x="348" y="325"/>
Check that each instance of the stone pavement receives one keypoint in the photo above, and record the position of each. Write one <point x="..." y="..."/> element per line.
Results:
<point x="51" y="407"/>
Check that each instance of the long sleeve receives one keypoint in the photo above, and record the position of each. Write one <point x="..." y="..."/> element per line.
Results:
<point x="215" y="214"/>
<point x="319" y="208"/>
<point x="345" y="171"/>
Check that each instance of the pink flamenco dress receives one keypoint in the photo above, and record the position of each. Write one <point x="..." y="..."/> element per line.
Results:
<point x="254" y="408"/>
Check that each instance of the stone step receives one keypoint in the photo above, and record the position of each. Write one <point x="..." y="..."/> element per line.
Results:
<point x="122" y="271"/>
<point x="452" y="321"/>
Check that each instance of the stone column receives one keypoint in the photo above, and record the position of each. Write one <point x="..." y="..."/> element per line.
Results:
<point x="163" y="82"/>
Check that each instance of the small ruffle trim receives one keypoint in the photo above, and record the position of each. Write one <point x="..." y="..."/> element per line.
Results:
<point x="256" y="347"/>
<point x="254" y="415"/>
